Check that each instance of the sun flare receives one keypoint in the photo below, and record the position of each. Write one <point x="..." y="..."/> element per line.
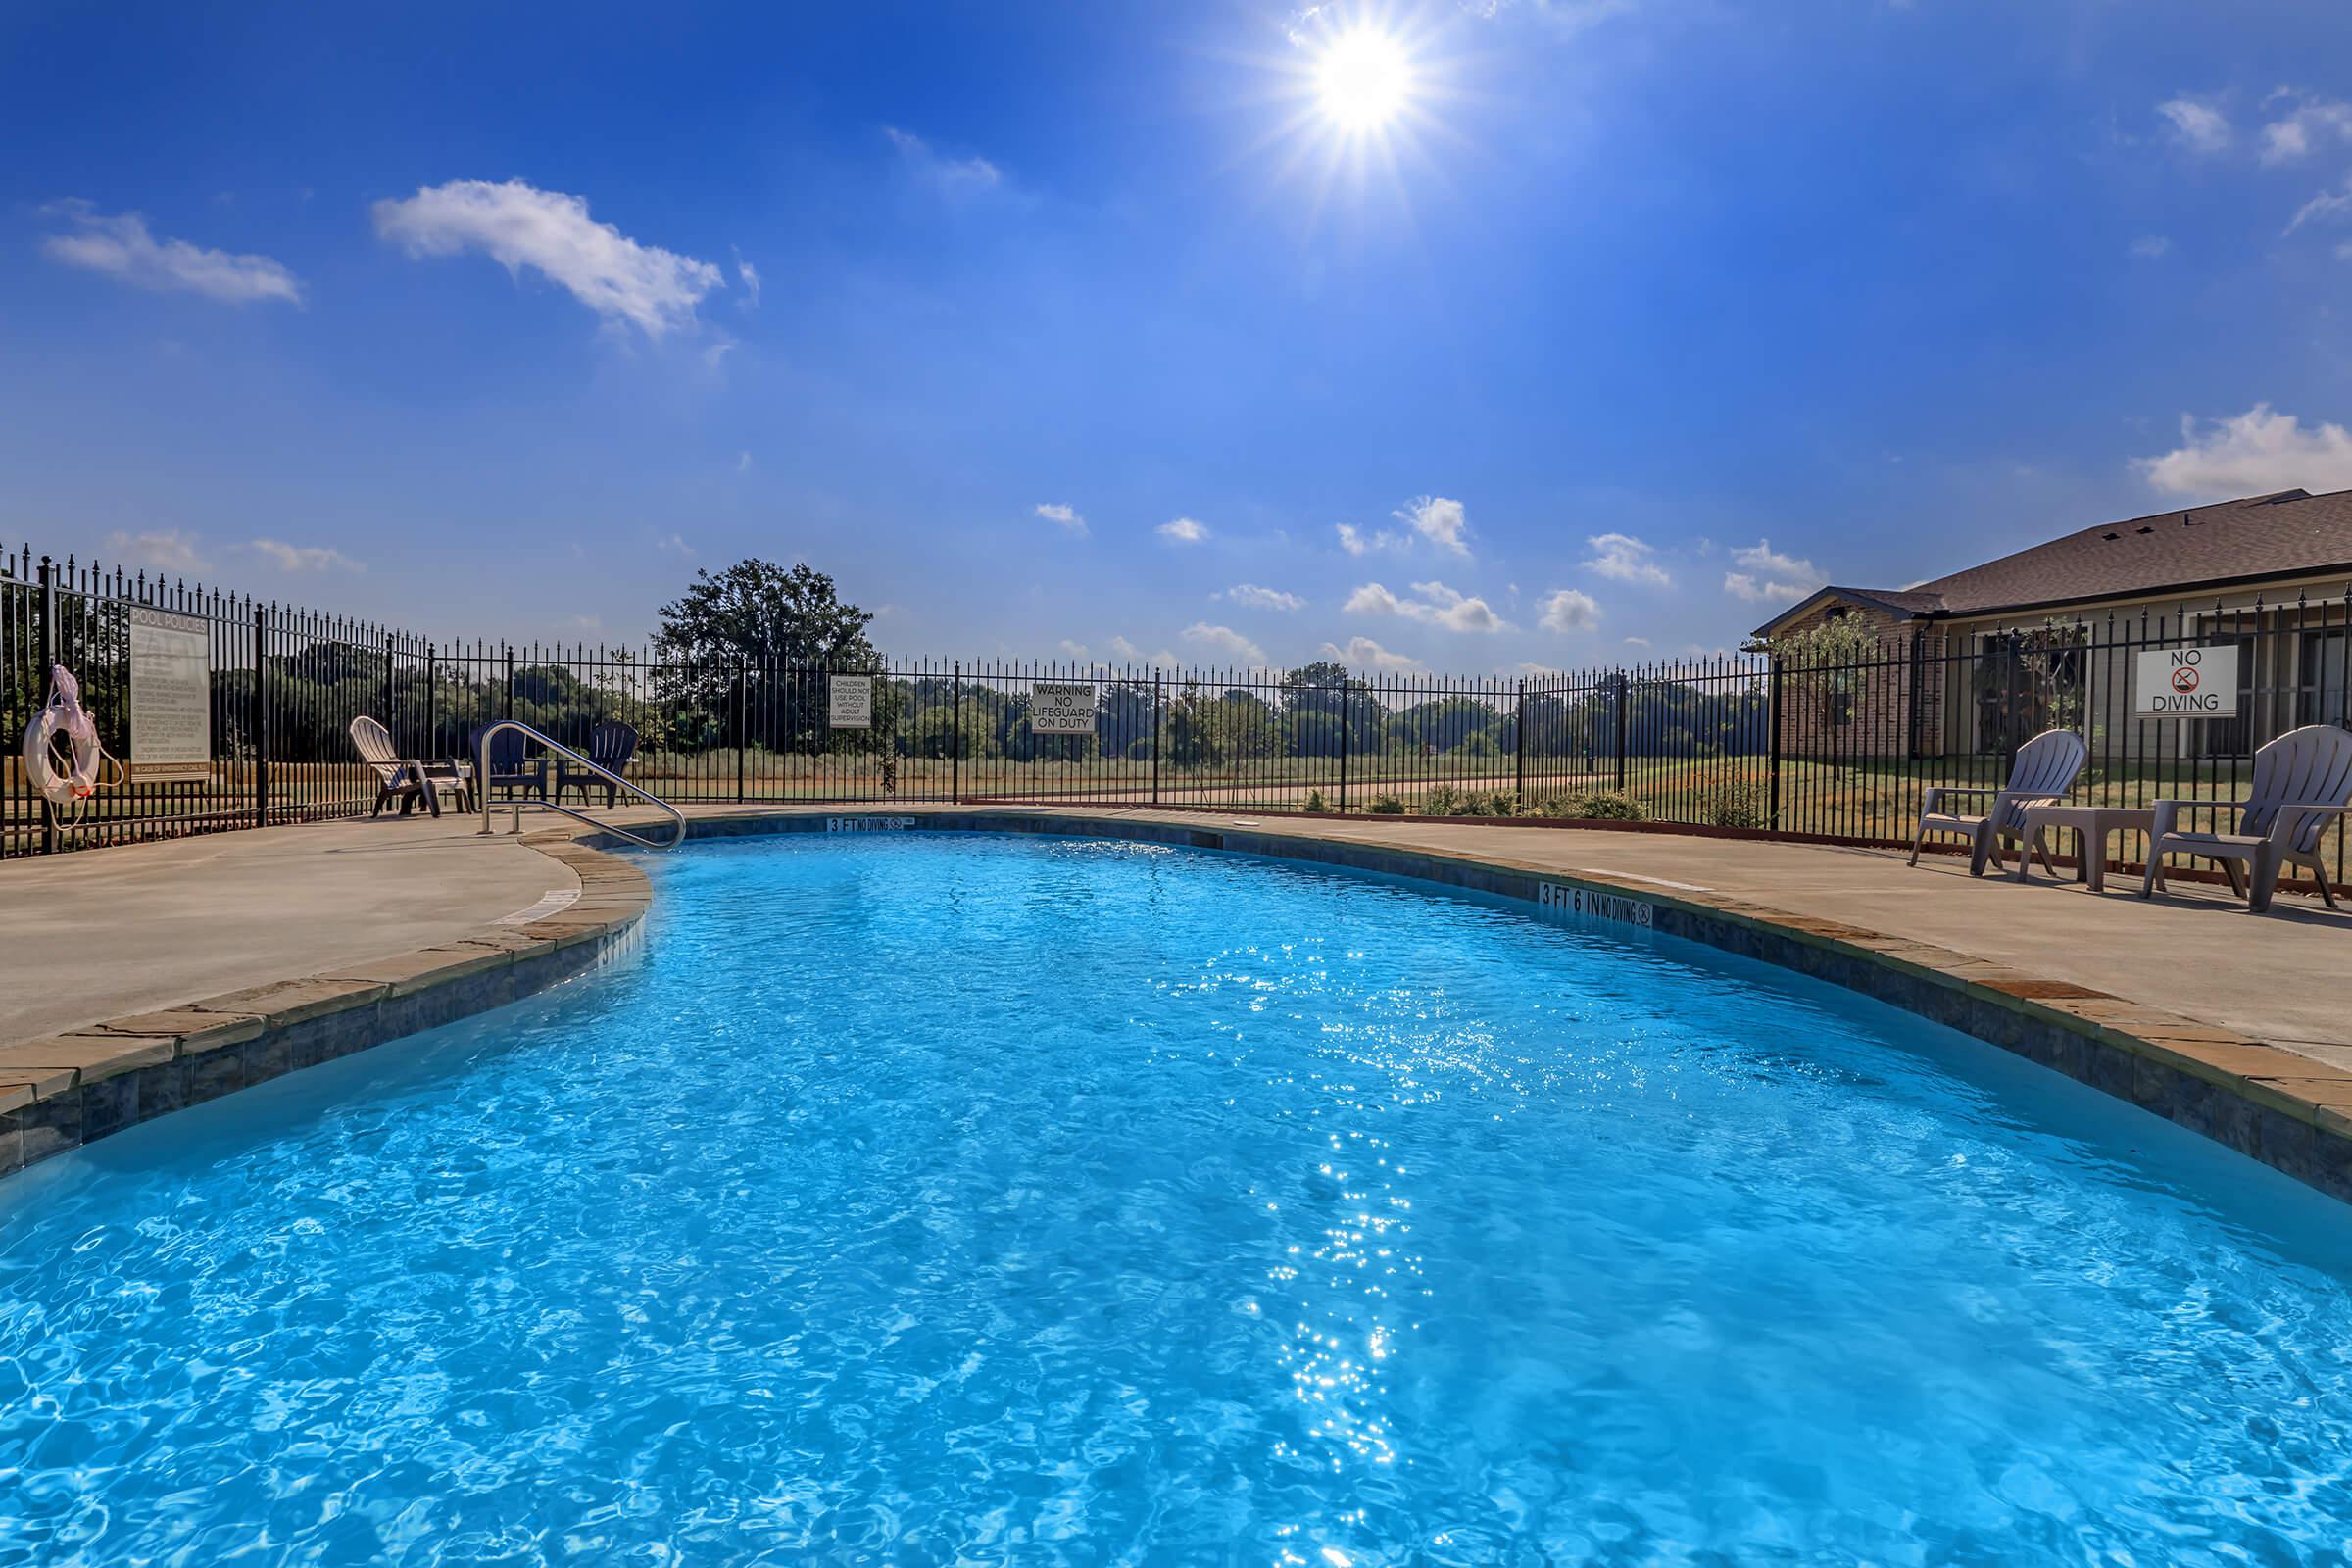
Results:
<point x="1364" y="80"/>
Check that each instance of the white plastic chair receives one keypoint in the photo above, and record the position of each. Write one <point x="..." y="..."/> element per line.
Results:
<point x="2302" y="783"/>
<point x="399" y="779"/>
<point x="2045" y="771"/>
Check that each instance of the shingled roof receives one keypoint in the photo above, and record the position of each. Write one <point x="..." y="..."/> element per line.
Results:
<point x="2291" y="534"/>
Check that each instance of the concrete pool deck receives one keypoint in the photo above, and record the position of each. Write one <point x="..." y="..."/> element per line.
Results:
<point x="151" y="960"/>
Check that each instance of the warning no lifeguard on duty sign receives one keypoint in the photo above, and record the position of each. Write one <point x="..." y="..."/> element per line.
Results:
<point x="2186" y="683"/>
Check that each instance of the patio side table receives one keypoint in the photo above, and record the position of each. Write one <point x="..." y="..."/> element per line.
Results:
<point x="2092" y="825"/>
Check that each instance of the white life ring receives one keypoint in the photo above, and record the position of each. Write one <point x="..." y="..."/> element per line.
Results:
<point x="63" y="718"/>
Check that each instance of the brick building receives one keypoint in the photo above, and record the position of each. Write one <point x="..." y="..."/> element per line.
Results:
<point x="1972" y="661"/>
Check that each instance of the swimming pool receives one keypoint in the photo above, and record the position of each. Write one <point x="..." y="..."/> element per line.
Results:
<point x="926" y="1199"/>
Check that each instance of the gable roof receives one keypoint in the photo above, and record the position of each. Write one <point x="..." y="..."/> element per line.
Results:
<point x="1902" y="602"/>
<point x="2291" y="533"/>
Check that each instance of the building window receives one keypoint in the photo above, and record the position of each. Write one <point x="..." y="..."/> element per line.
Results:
<point x="2029" y="681"/>
<point x="2238" y="736"/>
<point x="2324" y="686"/>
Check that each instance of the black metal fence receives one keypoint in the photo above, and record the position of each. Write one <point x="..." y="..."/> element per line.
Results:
<point x="1837" y="739"/>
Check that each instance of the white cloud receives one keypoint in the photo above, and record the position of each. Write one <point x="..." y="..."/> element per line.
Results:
<point x="1356" y="542"/>
<point x="1067" y="517"/>
<point x="1569" y="17"/>
<point x="121" y="247"/>
<point x="2324" y="208"/>
<point x="670" y="543"/>
<point x="743" y="463"/>
<point x="2198" y="124"/>
<point x="1637" y="642"/>
<point x="2311" y="122"/>
<point x="300" y="558"/>
<point x="1567" y="610"/>
<point x="1362" y="653"/>
<point x="1438" y="606"/>
<point x="1073" y="650"/>
<point x="1437" y="520"/>
<point x="2151" y="247"/>
<point x="1756" y="591"/>
<point x="1625" y="558"/>
<point x="748" y="277"/>
<point x="159" y="550"/>
<point x="520" y="226"/>
<point x="954" y="176"/>
<point x="1770" y="578"/>
<point x="2254" y="453"/>
<point x="1249" y="596"/>
<point x="1224" y="640"/>
<point x="1127" y="652"/>
<point x="1761" y="557"/>
<point x="1184" y="530"/>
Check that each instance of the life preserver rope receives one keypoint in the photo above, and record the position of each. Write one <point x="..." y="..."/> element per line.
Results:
<point x="61" y="720"/>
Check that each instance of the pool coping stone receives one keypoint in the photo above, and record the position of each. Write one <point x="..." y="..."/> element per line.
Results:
<point x="60" y="1092"/>
<point x="2289" y="1111"/>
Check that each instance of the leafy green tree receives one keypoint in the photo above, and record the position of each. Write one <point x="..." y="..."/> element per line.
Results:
<point x="1314" y="699"/>
<point x="758" y="611"/>
<point x="1446" y="723"/>
<point x="765" y="626"/>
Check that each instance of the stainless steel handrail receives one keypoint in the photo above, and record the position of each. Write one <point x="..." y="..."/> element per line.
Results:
<point x="481" y="782"/>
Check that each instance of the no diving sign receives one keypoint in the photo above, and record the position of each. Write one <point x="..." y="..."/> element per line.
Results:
<point x="2186" y="683"/>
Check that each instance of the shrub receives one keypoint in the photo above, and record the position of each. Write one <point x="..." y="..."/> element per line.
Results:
<point x="1608" y="806"/>
<point x="1733" y="804"/>
<point x="1552" y="804"/>
<point x="1442" y="801"/>
<point x="1314" y="802"/>
<point x="1503" y="802"/>
<point x="1386" y="805"/>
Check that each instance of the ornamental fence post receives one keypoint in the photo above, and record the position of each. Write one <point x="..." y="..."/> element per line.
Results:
<point x="261" y="716"/>
<point x="1519" y="743"/>
<point x="49" y="656"/>
<point x="1342" y="745"/>
<point x="1622" y="683"/>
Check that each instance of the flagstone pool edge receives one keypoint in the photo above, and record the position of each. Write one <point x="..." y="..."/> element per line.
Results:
<point x="62" y="1092"/>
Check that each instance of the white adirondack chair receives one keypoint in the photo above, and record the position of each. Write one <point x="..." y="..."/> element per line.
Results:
<point x="2302" y="783"/>
<point x="2045" y="771"/>
<point x="399" y="779"/>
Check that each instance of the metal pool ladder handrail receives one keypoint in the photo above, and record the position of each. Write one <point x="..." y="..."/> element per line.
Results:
<point x="481" y="779"/>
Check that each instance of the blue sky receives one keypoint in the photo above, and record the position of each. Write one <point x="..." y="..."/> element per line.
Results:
<point x="1084" y="326"/>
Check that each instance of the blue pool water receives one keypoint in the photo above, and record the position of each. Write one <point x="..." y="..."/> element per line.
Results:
<point x="927" y="1201"/>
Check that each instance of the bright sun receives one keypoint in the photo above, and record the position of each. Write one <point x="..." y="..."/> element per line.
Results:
<point x="1364" y="80"/>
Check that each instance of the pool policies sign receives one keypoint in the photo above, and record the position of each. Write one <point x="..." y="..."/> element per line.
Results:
<point x="2186" y="683"/>
<point x="170" y="696"/>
